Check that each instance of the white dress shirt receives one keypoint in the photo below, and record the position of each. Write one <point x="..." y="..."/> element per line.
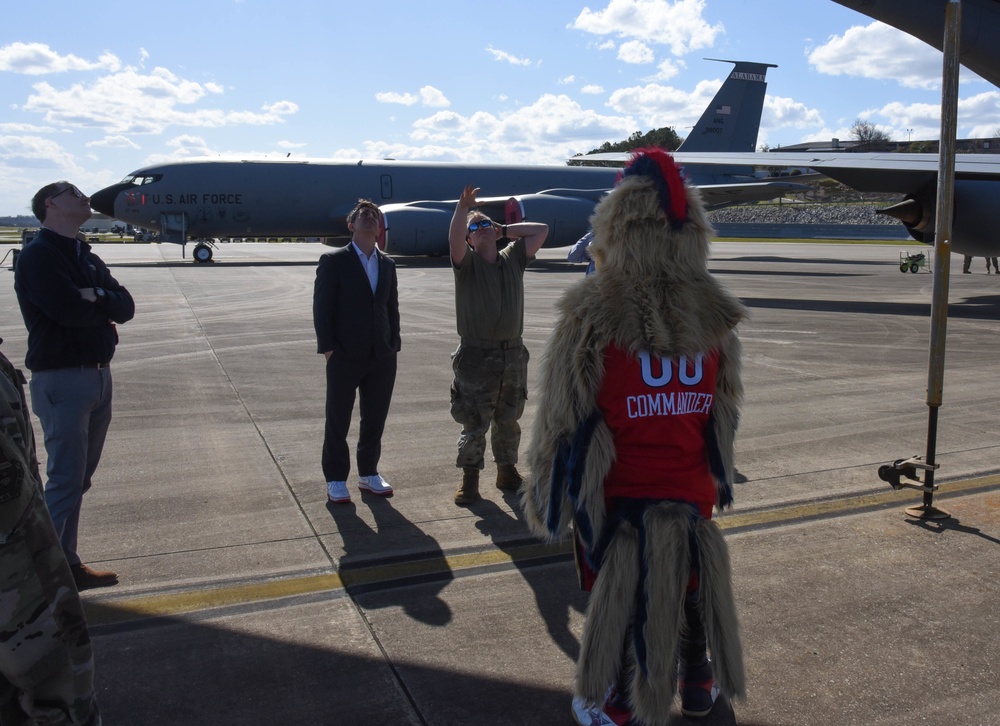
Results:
<point x="369" y="263"/>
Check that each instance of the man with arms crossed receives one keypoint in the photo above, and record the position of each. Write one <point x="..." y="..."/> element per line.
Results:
<point x="356" y="314"/>
<point x="491" y="362"/>
<point x="70" y="304"/>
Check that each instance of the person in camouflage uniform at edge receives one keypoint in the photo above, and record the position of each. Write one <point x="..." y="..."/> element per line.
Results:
<point x="491" y="362"/>
<point x="46" y="658"/>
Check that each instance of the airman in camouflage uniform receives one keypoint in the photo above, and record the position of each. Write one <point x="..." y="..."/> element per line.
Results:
<point x="46" y="659"/>
<point x="491" y="363"/>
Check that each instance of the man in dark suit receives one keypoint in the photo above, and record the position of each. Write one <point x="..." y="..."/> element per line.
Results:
<point x="356" y="314"/>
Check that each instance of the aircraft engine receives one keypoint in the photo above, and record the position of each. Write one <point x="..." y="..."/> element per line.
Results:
<point x="975" y="217"/>
<point x="421" y="228"/>
<point x="566" y="211"/>
<point x="415" y="229"/>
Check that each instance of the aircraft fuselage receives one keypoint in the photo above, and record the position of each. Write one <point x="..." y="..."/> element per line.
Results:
<point x="215" y="198"/>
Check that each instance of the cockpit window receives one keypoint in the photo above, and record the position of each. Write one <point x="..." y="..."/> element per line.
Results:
<point x="151" y="179"/>
<point x="128" y="180"/>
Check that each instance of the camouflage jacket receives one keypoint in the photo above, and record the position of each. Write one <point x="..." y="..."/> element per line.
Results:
<point x="19" y="475"/>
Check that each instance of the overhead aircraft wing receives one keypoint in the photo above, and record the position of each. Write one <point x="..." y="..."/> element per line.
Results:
<point x="716" y="196"/>
<point x="875" y="172"/>
<point x="977" y="187"/>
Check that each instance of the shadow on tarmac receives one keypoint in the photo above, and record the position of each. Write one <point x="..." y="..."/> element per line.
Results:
<point x="951" y="525"/>
<point x="976" y="308"/>
<point x="216" y="677"/>
<point x="361" y="546"/>
<point x="553" y="606"/>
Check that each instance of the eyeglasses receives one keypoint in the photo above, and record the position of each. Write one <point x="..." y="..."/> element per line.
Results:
<point x="76" y="192"/>
<point x="483" y="223"/>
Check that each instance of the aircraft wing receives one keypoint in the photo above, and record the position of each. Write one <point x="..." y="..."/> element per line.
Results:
<point x="716" y="196"/>
<point x="877" y="172"/>
<point x="977" y="187"/>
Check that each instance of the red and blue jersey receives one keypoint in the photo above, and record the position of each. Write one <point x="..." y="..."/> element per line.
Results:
<point x="658" y="410"/>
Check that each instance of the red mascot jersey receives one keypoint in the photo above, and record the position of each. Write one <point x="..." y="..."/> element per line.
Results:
<point x="658" y="411"/>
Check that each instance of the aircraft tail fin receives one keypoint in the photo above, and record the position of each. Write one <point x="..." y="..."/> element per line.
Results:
<point x="732" y="120"/>
<point x="730" y="123"/>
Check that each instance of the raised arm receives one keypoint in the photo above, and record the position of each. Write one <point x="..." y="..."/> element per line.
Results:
<point x="534" y="234"/>
<point x="459" y="227"/>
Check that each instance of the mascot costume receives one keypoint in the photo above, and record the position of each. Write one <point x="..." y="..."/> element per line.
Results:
<point x="632" y="447"/>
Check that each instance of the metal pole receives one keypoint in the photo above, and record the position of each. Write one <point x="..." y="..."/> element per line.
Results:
<point x="942" y="244"/>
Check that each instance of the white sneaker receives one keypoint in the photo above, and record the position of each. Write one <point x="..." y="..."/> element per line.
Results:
<point x="375" y="484"/>
<point x="589" y="714"/>
<point x="336" y="491"/>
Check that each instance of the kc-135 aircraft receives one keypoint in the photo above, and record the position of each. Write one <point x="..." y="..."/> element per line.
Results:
<point x="203" y="199"/>
<point x="977" y="176"/>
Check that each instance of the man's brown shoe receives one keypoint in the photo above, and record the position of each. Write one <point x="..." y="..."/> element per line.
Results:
<point x="87" y="578"/>
<point x="508" y="478"/>
<point x="468" y="490"/>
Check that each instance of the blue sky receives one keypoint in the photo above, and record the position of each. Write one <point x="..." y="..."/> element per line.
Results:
<point x="92" y="91"/>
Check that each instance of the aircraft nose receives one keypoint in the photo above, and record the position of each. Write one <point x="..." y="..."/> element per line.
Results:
<point x="104" y="200"/>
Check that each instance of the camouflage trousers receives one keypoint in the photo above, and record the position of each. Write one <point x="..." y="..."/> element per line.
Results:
<point x="46" y="658"/>
<point x="489" y="390"/>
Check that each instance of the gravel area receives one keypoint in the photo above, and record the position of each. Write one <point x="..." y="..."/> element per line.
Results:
<point x="799" y="213"/>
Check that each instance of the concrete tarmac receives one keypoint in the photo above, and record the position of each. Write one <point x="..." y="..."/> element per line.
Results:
<point x="245" y="598"/>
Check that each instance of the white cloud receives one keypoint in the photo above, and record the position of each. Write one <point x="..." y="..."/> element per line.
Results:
<point x="430" y="96"/>
<point x="22" y="128"/>
<point x="114" y="142"/>
<point x="567" y="80"/>
<point x="501" y="55"/>
<point x="782" y="112"/>
<point x="290" y="145"/>
<point x="635" y="52"/>
<point x="666" y="70"/>
<point x="551" y="129"/>
<point x="132" y="102"/>
<point x="978" y="117"/>
<point x="658" y="105"/>
<point x="880" y="52"/>
<point x="35" y="59"/>
<point x="592" y="88"/>
<point x="281" y="108"/>
<point x="404" y="99"/>
<point x="678" y="24"/>
<point x="34" y="152"/>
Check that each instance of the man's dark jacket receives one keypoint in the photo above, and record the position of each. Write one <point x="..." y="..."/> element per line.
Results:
<point x="64" y="330"/>
<point x="350" y="320"/>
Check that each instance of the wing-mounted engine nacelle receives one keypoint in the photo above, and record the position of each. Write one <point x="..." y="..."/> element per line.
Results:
<point x="421" y="228"/>
<point x="417" y="228"/>
<point x="975" y="216"/>
<point x="566" y="211"/>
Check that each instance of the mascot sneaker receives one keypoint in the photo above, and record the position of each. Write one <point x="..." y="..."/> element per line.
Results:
<point x="589" y="714"/>
<point x="697" y="699"/>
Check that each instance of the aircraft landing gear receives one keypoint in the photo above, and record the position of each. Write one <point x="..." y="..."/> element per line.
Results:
<point x="202" y="253"/>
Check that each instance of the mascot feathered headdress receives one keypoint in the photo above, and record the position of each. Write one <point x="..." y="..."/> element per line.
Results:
<point x="652" y="293"/>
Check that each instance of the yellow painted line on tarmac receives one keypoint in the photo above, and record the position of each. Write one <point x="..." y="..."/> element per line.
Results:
<point x="812" y="510"/>
<point x="104" y="612"/>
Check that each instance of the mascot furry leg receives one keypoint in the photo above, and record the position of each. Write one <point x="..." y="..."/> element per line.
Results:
<point x="643" y="582"/>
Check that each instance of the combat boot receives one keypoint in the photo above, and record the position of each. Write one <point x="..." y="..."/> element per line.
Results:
<point x="508" y="479"/>
<point x="468" y="491"/>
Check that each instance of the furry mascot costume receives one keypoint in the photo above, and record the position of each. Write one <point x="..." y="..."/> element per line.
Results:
<point x="633" y="445"/>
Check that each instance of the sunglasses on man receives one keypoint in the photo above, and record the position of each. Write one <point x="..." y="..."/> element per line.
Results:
<point x="481" y="223"/>
<point x="76" y="192"/>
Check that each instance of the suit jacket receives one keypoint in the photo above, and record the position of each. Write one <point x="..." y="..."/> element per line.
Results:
<point x="350" y="320"/>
